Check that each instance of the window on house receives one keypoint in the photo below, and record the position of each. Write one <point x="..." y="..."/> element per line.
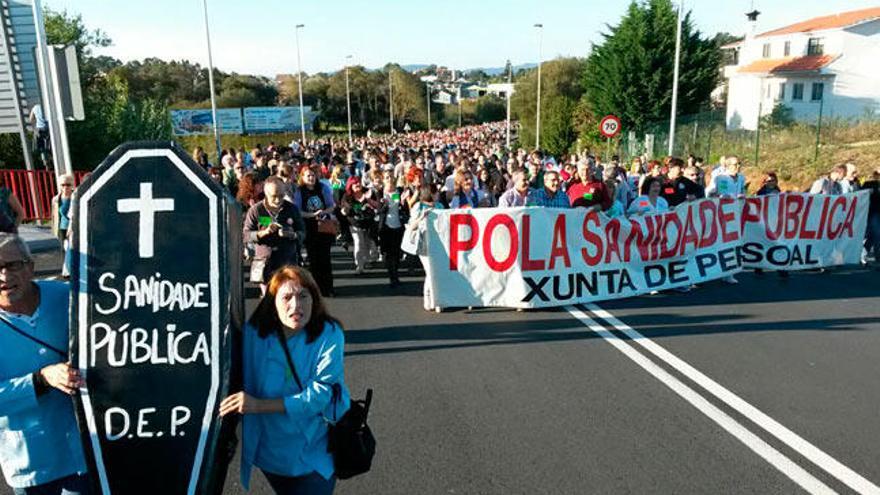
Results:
<point x="816" y="46"/>
<point x="818" y="89"/>
<point x="781" y="96"/>
<point x="766" y="53"/>
<point x="787" y="48"/>
<point x="797" y="91"/>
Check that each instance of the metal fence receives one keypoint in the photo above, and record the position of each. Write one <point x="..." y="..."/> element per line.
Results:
<point x="34" y="189"/>
<point x="706" y="135"/>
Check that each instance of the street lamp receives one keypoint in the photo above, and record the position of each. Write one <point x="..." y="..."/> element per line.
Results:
<point x="538" y="112"/>
<point x="211" y="83"/>
<point x="509" y="87"/>
<point x="348" y="97"/>
<point x="428" y="98"/>
<point x="302" y="116"/>
<point x="390" y="100"/>
<point x="675" y="81"/>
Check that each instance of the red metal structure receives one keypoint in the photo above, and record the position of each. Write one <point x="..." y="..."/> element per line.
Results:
<point x="42" y="182"/>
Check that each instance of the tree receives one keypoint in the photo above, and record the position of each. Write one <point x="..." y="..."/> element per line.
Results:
<point x="560" y="79"/>
<point x="246" y="91"/>
<point x="112" y="115"/>
<point x="490" y="108"/>
<point x="630" y="73"/>
<point x="557" y="131"/>
<point x="408" y="98"/>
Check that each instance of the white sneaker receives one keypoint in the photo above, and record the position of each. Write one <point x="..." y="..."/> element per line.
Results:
<point x="731" y="280"/>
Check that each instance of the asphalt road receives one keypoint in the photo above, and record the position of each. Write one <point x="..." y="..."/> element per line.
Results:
<point x="770" y="386"/>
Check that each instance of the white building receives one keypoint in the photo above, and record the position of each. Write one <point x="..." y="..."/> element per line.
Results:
<point x="832" y="62"/>
<point x="501" y="90"/>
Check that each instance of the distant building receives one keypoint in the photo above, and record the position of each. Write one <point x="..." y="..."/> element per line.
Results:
<point x="444" y="97"/>
<point x="501" y="90"/>
<point x="832" y="61"/>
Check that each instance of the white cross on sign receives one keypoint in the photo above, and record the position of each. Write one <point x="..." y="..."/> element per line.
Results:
<point x="146" y="207"/>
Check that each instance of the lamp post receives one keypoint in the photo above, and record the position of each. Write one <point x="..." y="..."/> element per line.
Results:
<point x="211" y="82"/>
<point x="390" y="100"/>
<point x="459" y="105"/>
<point x="428" y="101"/>
<point x="538" y="111"/>
<point x="348" y="97"/>
<point x="302" y="116"/>
<point x="509" y="79"/>
<point x="675" y="81"/>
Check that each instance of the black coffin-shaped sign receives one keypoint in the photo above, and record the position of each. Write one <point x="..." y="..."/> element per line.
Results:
<point x="156" y="311"/>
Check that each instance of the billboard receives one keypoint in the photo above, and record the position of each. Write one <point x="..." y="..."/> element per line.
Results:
<point x="192" y="122"/>
<point x="275" y="119"/>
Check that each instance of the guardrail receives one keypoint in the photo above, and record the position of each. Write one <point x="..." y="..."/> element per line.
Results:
<point x="34" y="190"/>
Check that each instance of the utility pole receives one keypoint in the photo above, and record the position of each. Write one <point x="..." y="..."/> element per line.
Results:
<point x="509" y="79"/>
<point x="348" y="98"/>
<point x="675" y="80"/>
<point x="428" y="101"/>
<point x="61" y="162"/>
<point x="390" y="100"/>
<point x="538" y="110"/>
<point x="302" y="116"/>
<point x="211" y="83"/>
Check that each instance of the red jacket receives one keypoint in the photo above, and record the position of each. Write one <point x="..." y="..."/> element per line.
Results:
<point x="586" y="195"/>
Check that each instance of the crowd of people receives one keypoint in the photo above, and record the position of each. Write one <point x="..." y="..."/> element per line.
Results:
<point x="365" y="194"/>
<point x="298" y="201"/>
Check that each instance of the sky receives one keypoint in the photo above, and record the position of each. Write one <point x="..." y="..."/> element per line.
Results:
<point x="258" y="36"/>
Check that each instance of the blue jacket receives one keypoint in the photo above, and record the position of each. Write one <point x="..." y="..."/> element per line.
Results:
<point x="39" y="438"/>
<point x="293" y="443"/>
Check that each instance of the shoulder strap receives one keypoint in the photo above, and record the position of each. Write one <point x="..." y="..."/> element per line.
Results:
<point x="280" y="335"/>
<point x="31" y="337"/>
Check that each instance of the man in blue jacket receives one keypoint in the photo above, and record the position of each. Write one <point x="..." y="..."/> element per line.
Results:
<point x="40" y="448"/>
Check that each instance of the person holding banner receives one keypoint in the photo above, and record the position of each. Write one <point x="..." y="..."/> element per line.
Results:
<point x="872" y="235"/>
<point x="550" y="196"/>
<point x="294" y="386"/>
<point x="612" y="184"/>
<point x="728" y="182"/>
<point x="40" y="449"/>
<point x="650" y="203"/>
<point x="830" y="184"/>
<point x="464" y="194"/>
<point x="518" y="194"/>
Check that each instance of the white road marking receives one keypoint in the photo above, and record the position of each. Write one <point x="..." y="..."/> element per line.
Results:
<point x="832" y="466"/>
<point x="778" y="460"/>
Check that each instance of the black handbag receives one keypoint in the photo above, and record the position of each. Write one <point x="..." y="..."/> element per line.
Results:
<point x="350" y="439"/>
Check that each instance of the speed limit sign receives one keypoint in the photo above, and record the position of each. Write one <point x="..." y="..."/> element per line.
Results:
<point x="609" y="126"/>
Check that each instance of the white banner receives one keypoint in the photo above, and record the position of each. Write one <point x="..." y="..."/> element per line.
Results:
<point x="539" y="257"/>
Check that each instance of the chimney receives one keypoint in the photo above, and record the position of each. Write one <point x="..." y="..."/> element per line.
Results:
<point x="752" y="23"/>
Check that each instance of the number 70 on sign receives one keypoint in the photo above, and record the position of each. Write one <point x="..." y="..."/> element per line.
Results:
<point x="609" y="126"/>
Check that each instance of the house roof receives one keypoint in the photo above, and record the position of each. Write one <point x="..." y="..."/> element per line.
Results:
<point x="841" y="20"/>
<point x="789" y="64"/>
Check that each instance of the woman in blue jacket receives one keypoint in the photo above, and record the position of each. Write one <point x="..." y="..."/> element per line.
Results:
<point x="285" y="426"/>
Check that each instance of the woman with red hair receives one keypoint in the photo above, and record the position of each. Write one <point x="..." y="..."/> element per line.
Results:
<point x="294" y="386"/>
<point x="359" y="207"/>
